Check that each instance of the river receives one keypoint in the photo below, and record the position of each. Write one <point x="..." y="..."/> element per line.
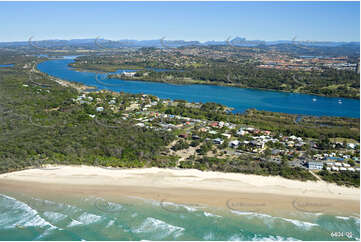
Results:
<point x="240" y="99"/>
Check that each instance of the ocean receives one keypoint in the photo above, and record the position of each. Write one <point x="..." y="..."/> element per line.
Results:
<point x="82" y="217"/>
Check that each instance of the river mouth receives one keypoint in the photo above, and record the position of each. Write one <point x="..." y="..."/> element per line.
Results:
<point x="240" y="99"/>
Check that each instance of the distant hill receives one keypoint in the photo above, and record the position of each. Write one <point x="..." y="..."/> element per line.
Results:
<point x="309" y="48"/>
<point x="237" y="41"/>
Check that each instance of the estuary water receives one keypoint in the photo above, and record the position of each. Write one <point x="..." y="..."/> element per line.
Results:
<point x="240" y="99"/>
<point x="24" y="217"/>
<point x="7" y="65"/>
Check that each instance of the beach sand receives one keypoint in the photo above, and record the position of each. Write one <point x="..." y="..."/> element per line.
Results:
<point x="239" y="192"/>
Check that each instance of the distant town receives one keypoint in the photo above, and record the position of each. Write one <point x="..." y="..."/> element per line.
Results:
<point x="327" y="71"/>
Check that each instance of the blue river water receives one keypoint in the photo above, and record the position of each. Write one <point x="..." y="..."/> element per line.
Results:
<point x="7" y="65"/>
<point x="240" y="99"/>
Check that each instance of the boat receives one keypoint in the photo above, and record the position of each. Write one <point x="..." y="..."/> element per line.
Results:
<point x="314" y="99"/>
<point x="340" y="101"/>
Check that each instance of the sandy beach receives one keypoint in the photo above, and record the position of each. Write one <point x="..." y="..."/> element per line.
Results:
<point x="272" y="195"/>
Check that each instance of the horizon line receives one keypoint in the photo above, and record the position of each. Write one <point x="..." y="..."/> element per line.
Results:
<point x="164" y="39"/>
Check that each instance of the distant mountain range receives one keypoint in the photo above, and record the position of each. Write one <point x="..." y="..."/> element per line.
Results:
<point x="99" y="43"/>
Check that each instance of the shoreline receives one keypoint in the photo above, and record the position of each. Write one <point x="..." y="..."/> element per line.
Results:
<point x="80" y="87"/>
<point x="231" y="191"/>
<point x="76" y="85"/>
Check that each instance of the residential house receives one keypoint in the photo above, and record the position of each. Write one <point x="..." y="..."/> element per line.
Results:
<point x="140" y="124"/>
<point x="99" y="109"/>
<point x="214" y="124"/>
<point x="314" y="165"/>
<point x="218" y="141"/>
<point x="334" y="168"/>
<point x="226" y="135"/>
<point x="195" y="137"/>
<point x="234" y="143"/>
<point x="241" y="132"/>
<point x="184" y="136"/>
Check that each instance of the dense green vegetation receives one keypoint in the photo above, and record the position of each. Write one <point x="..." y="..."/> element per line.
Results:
<point x="41" y="124"/>
<point x="341" y="178"/>
<point x="47" y="127"/>
<point x="248" y="167"/>
<point x="330" y="82"/>
<point x="180" y="145"/>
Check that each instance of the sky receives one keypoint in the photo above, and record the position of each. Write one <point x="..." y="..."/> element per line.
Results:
<point x="202" y="21"/>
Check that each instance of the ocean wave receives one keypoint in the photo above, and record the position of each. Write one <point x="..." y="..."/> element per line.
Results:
<point x="254" y="214"/>
<point x="175" y="206"/>
<point x="54" y="216"/>
<point x="106" y="206"/>
<point x="46" y="205"/>
<point x="19" y="214"/>
<point x="110" y="223"/>
<point x="41" y="236"/>
<point x="312" y="214"/>
<point x="163" y="229"/>
<point x="74" y="223"/>
<point x="170" y="205"/>
<point x="352" y="218"/>
<point x="343" y="218"/>
<point x="272" y="238"/>
<point x="298" y="223"/>
<point x="211" y="215"/>
<point x="236" y="237"/>
<point x="89" y="218"/>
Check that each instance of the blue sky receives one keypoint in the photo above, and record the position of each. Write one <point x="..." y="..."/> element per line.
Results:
<point x="335" y="21"/>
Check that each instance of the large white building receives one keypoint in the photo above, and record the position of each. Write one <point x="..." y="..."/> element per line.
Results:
<point x="314" y="165"/>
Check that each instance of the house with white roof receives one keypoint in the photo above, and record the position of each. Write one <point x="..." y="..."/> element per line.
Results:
<point x="140" y="124"/>
<point x="334" y="168"/>
<point x="99" y="109"/>
<point x="314" y="165"/>
<point x="241" y="132"/>
<point x="226" y="135"/>
<point x="234" y="143"/>
<point x="218" y="141"/>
